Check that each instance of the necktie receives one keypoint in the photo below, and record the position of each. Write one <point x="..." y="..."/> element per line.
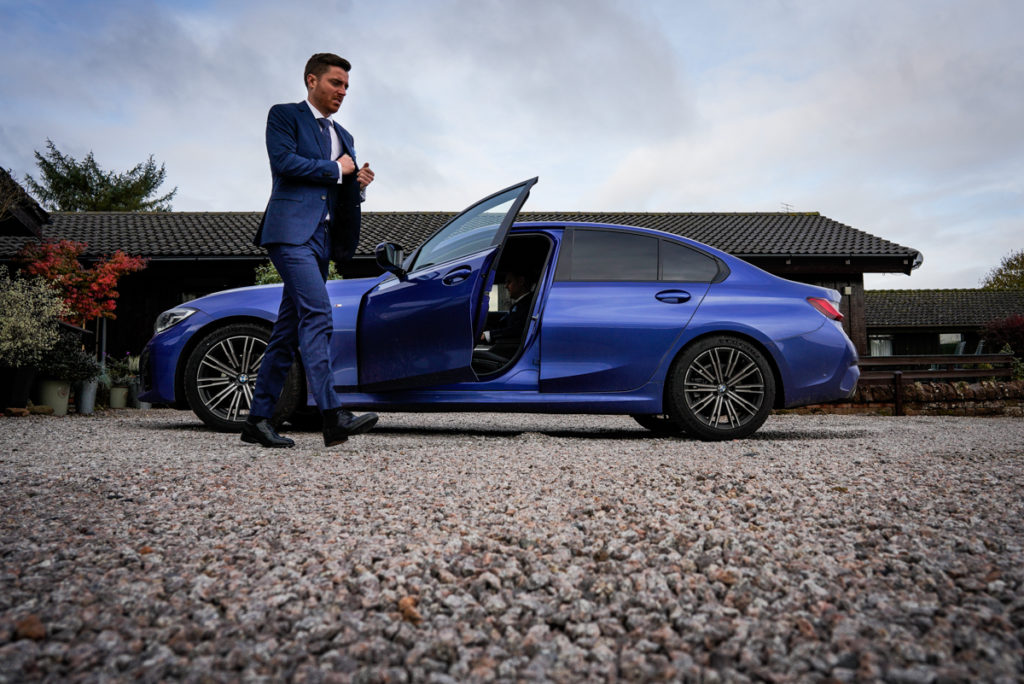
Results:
<point x="325" y="128"/>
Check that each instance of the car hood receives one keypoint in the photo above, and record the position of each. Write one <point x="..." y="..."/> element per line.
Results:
<point x="264" y="300"/>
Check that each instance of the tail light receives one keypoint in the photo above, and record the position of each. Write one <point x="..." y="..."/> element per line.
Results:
<point x="825" y="307"/>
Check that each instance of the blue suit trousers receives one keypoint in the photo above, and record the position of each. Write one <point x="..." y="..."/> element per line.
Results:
<point x="304" y="323"/>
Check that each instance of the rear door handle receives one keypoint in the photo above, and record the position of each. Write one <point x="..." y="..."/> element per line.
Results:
<point x="673" y="296"/>
<point x="456" y="276"/>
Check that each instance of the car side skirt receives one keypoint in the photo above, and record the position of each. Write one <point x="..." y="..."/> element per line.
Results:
<point x="647" y="399"/>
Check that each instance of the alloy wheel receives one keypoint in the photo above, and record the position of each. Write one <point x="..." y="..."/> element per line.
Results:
<point x="724" y="388"/>
<point x="226" y="376"/>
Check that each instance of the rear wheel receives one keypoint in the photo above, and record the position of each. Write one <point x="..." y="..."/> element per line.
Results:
<point x="661" y="423"/>
<point x="220" y="376"/>
<point x="721" y="388"/>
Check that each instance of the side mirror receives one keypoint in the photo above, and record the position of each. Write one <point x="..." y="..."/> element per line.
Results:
<point x="389" y="257"/>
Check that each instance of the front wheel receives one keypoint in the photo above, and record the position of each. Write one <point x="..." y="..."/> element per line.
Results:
<point x="721" y="388"/>
<point x="220" y="376"/>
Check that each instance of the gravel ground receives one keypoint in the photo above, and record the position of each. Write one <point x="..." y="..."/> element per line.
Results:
<point x="139" y="545"/>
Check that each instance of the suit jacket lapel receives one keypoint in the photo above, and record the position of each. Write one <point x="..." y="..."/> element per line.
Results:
<point x="342" y="140"/>
<point x="318" y="134"/>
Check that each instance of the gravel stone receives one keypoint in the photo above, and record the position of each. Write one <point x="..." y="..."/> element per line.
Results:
<point x="138" y="545"/>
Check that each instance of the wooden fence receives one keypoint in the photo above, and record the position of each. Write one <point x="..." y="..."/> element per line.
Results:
<point x="896" y="370"/>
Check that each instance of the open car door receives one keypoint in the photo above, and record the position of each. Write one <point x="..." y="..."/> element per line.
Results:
<point x="416" y="327"/>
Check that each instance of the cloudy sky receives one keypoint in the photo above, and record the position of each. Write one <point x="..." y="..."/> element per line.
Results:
<point x="903" y="118"/>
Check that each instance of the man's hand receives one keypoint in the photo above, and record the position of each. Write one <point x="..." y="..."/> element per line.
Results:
<point x="365" y="176"/>
<point x="347" y="165"/>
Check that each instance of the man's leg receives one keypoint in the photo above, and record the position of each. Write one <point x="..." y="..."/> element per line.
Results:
<point x="303" y="271"/>
<point x="277" y="359"/>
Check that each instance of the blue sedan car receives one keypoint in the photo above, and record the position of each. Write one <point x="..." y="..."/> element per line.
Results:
<point x="613" y="320"/>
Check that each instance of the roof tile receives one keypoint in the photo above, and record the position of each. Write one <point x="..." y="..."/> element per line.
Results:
<point x="940" y="308"/>
<point x="229" y="234"/>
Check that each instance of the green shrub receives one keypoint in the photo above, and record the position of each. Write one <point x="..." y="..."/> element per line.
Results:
<point x="67" y="360"/>
<point x="266" y="274"/>
<point x="28" y="326"/>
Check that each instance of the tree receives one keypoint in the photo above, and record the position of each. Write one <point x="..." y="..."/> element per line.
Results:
<point x="66" y="184"/>
<point x="8" y="192"/>
<point x="1008" y="275"/>
<point x="88" y="293"/>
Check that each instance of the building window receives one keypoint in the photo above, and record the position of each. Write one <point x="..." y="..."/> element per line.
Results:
<point x="880" y="345"/>
<point x="951" y="343"/>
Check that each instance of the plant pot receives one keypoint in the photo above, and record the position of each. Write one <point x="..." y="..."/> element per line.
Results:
<point x="134" y="389"/>
<point x="54" y="393"/>
<point x="85" y="397"/>
<point x="118" y="397"/>
<point x="15" y="384"/>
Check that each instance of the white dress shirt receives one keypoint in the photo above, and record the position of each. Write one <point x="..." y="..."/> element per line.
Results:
<point x="335" y="143"/>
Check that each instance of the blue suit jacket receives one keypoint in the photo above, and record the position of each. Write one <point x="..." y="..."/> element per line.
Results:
<point x="306" y="183"/>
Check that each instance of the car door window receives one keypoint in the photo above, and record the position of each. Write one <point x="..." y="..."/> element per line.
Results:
<point x="469" y="232"/>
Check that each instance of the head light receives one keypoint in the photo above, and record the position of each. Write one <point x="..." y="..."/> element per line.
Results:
<point x="171" y="317"/>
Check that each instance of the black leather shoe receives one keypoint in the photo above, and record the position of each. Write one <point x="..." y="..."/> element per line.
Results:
<point x="264" y="434"/>
<point x="340" y="424"/>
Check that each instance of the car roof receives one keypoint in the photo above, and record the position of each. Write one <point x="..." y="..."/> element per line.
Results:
<point x="558" y="225"/>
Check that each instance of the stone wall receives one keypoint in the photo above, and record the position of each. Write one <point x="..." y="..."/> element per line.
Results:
<point x="988" y="398"/>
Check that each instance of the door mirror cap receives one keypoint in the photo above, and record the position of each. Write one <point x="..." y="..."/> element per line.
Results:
<point x="389" y="257"/>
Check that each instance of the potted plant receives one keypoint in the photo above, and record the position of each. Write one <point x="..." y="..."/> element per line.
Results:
<point x="88" y="293"/>
<point x="61" y="366"/>
<point x="28" y="329"/>
<point x="121" y="376"/>
<point x="134" y="382"/>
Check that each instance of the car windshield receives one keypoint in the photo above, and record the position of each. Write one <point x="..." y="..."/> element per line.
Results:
<point x="469" y="232"/>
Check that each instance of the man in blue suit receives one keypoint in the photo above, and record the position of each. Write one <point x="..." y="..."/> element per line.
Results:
<point x="313" y="216"/>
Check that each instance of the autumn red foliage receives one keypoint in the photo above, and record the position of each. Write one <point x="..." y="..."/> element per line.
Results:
<point x="1006" y="331"/>
<point x="89" y="293"/>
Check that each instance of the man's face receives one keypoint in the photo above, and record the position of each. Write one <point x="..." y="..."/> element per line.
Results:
<point x="515" y="284"/>
<point x="328" y="90"/>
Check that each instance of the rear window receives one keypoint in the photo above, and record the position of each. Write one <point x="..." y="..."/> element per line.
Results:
<point x="681" y="264"/>
<point x="609" y="256"/>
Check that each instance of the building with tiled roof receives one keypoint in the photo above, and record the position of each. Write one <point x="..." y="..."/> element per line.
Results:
<point x="217" y="248"/>
<point x="757" y="237"/>
<point x="935" y="321"/>
<point x="20" y="214"/>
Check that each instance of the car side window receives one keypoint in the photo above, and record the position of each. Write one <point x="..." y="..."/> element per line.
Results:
<point x="474" y="230"/>
<point x="606" y="255"/>
<point x="682" y="264"/>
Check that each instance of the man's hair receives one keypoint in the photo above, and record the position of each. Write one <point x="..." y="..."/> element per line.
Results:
<point x="319" y="63"/>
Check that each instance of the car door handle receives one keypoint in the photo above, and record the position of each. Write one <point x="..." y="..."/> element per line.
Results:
<point x="673" y="296"/>
<point x="457" y="275"/>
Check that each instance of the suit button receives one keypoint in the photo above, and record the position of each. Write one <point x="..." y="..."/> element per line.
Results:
<point x="323" y="197"/>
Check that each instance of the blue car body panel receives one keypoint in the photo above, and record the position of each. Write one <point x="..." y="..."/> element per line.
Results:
<point x="591" y="347"/>
<point x="421" y="329"/>
<point x="611" y="337"/>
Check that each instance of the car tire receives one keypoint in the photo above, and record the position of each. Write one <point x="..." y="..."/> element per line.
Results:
<point x="220" y="376"/>
<point x="660" y="423"/>
<point x="720" y="388"/>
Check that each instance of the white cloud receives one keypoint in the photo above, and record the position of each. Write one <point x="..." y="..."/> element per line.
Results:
<point x="900" y="119"/>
